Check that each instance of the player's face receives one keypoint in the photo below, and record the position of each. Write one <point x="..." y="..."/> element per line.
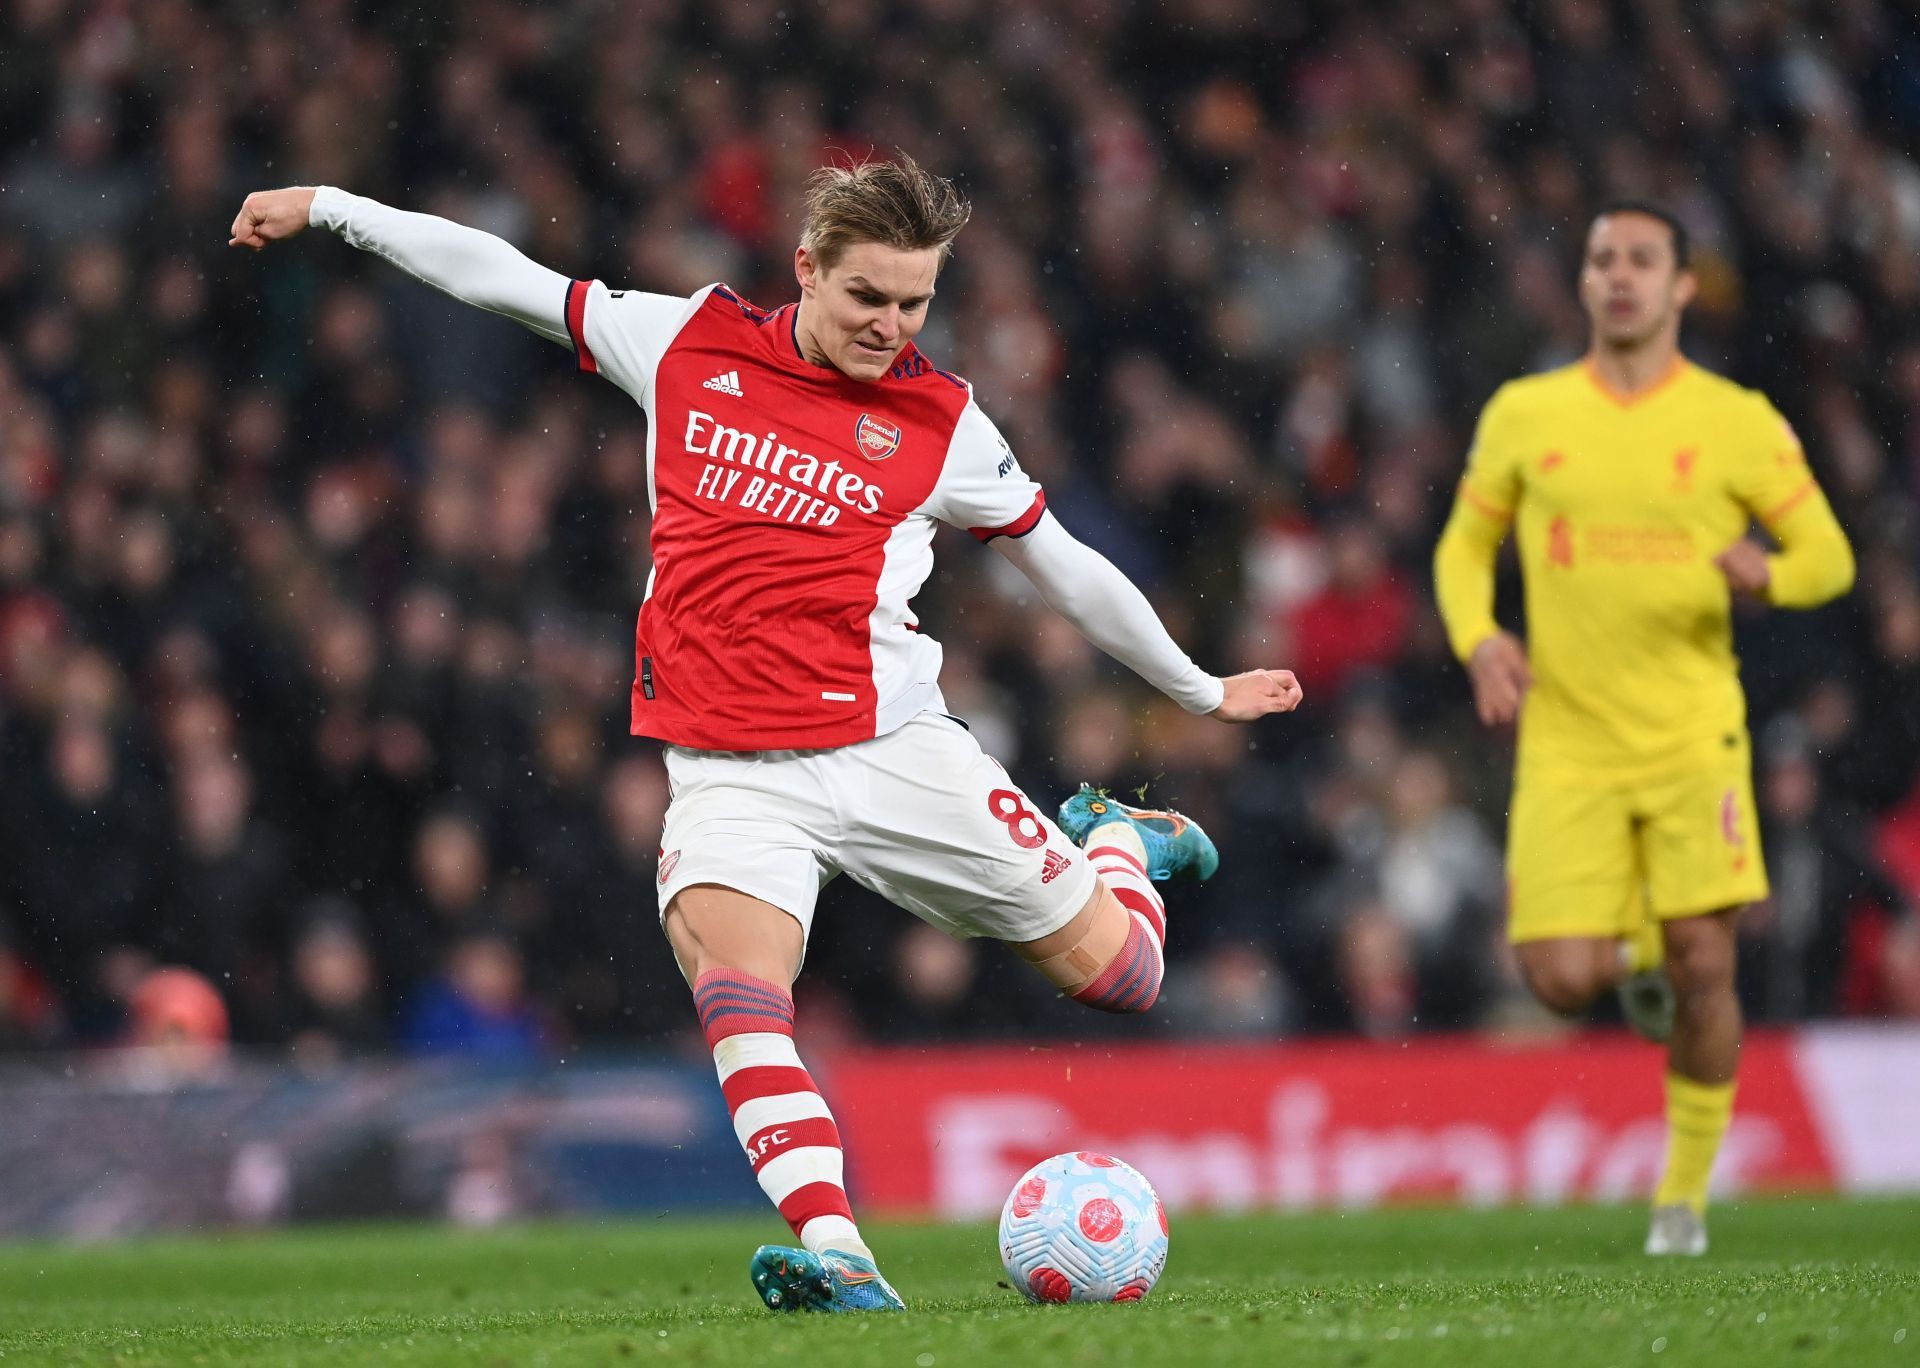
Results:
<point x="860" y="312"/>
<point x="1630" y="284"/>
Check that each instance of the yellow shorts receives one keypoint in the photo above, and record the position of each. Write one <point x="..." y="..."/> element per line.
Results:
<point x="1595" y="859"/>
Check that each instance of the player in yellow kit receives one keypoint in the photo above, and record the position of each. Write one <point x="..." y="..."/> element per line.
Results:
<point x="1632" y="480"/>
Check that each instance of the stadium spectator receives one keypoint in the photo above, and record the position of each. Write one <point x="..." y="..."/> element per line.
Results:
<point x="1233" y="991"/>
<point x="176" y="1032"/>
<point x="29" y="1009"/>
<point x="1441" y="884"/>
<point x="228" y="883"/>
<point x="1829" y="891"/>
<point x="332" y="1010"/>
<point x="476" y="1006"/>
<point x="1359" y="618"/>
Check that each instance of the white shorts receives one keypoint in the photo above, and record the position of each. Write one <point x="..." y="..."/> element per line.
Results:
<point x="922" y="816"/>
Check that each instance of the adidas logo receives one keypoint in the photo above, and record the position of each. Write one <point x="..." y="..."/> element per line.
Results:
<point x="728" y="383"/>
<point x="1053" y="866"/>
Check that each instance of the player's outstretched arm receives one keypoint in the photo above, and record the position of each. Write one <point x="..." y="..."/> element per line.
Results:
<point x="1086" y="589"/>
<point x="474" y="267"/>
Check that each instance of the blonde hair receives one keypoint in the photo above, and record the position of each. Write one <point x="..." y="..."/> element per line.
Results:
<point x="897" y="203"/>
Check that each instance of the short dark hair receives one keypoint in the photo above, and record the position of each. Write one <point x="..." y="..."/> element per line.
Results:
<point x="897" y="203"/>
<point x="1682" y="245"/>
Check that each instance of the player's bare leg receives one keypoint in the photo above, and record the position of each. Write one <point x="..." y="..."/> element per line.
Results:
<point x="1567" y="973"/>
<point x="741" y="955"/>
<point x="1700" y="960"/>
<point x="721" y="928"/>
<point x="1701" y="1061"/>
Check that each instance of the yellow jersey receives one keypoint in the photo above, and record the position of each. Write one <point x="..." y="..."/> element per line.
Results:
<point x="1619" y="506"/>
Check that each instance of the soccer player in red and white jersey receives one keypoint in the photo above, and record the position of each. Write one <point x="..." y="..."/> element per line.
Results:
<point x="798" y="460"/>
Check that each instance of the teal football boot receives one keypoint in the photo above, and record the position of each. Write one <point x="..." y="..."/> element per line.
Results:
<point x="1176" y="846"/>
<point x="790" y="1279"/>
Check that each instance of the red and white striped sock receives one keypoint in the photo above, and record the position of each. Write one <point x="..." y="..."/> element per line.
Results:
<point x="778" y="1113"/>
<point x="1131" y="981"/>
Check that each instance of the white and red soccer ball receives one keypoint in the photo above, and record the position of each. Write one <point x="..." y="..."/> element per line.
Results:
<point x="1083" y="1227"/>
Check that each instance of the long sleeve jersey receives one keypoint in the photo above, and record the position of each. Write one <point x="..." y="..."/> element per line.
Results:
<point x="793" y="507"/>
<point x="1619" y="508"/>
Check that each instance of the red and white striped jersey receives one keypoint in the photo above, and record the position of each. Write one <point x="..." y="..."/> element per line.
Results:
<point x="793" y="519"/>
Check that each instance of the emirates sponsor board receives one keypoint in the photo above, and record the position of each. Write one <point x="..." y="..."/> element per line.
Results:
<point x="948" y="1131"/>
<point x="1863" y="1087"/>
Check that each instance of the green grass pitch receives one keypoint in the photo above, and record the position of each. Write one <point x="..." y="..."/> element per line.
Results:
<point x="1790" y="1281"/>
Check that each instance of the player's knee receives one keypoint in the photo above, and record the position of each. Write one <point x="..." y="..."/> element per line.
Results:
<point x="1560" y="985"/>
<point x="1700" y="959"/>
<point x="1561" y="993"/>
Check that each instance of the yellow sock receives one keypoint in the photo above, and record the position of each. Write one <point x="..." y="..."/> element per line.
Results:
<point x="1697" y="1116"/>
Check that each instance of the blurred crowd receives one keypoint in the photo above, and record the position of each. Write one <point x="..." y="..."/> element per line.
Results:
<point x="316" y="588"/>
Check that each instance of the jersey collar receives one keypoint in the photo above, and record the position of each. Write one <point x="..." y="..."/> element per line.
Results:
<point x="1628" y="401"/>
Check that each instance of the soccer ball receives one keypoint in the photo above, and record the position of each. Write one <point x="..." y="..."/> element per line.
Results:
<point x="1083" y="1227"/>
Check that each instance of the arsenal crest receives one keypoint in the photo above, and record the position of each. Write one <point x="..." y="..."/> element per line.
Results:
<point x="876" y="438"/>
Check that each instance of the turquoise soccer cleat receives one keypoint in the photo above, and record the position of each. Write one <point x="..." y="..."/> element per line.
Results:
<point x="790" y="1279"/>
<point x="1175" y="845"/>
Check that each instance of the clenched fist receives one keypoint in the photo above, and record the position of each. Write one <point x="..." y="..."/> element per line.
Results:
<point x="1258" y="693"/>
<point x="1745" y="566"/>
<point x="271" y="215"/>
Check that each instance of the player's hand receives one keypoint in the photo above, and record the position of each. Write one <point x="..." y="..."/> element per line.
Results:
<point x="1500" y="677"/>
<point x="1256" y="694"/>
<point x="1745" y="566"/>
<point x="271" y="215"/>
